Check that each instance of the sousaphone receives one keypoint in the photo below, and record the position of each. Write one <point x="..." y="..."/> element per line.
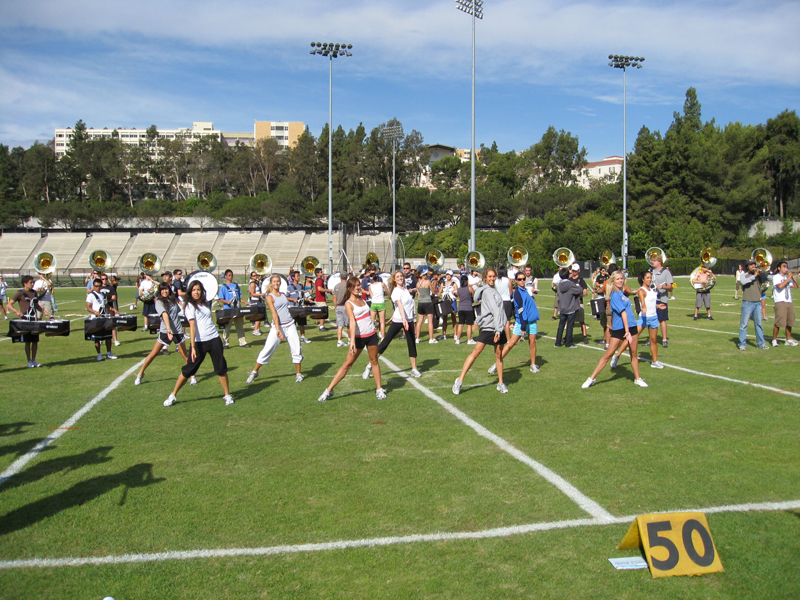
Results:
<point x="44" y="263"/>
<point x="563" y="257"/>
<point x="206" y="261"/>
<point x="608" y="258"/>
<point x="475" y="261"/>
<point x="517" y="256"/>
<point x="150" y="264"/>
<point x="434" y="259"/>
<point x="709" y="260"/>
<point x="309" y="264"/>
<point x="762" y="258"/>
<point x="654" y="253"/>
<point x="100" y="260"/>
<point x="261" y="264"/>
<point x="371" y="260"/>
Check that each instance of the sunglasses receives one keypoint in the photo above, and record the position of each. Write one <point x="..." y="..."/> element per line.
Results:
<point x="520" y="279"/>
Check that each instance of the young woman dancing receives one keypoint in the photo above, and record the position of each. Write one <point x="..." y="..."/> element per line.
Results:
<point x="402" y="321"/>
<point x="622" y="328"/>
<point x="283" y="329"/>
<point x="170" y="332"/>
<point x="466" y="314"/>
<point x="425" y="308"/>
<point x="362" y="335"/>
<point x="378" y="292"/>
<point x="648" y="319"/>
<point x="492" y="323"/>
<point x="204" y="339"/>
<point x="527" y="321"/>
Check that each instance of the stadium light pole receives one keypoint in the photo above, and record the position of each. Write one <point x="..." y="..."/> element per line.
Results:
<point x="474" y="8"/>
<point x="623" y="62"/>
<point x="393" y="133"/>
<point x="330" y="51"/>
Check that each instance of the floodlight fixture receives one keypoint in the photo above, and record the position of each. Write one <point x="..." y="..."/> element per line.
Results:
<point x="393" y="133"/>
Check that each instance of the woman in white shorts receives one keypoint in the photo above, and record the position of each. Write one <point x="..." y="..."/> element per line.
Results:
<point x="283" y="329"/>
<point x="170" y="332"/>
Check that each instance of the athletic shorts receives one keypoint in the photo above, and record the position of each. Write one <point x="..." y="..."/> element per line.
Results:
<point x="703" y="299"/>
<point x="649" y="322"/>
<point x="530" y="328"/>
<point x="662" y="313"/>
<point x="784" y="314"/>
<point x="620" y="333"/>
<point x="362" y="343"/>
<point x="341" y="317"/>
<point x="378" y="307"/>
<point x="213" y="348"/>
<point x="301" y="321"/>
<point x="487" y="337"/>
<point x="176" y="339"/>
<point x="425" y="308"/>
<point x="149" y="309"/>
<point x="466" y="317"/>
<point x="580" y="315"/>
<point x="32" y="338"/>
<point x="508" y="307"/>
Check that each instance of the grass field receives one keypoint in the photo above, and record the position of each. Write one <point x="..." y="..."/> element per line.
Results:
<point x="422" y="495"/>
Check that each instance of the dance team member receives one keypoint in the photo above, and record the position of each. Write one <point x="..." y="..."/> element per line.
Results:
<point x="362" y="335"/>
<point x="283" y="329"/>
<point x="425" y="308"/>
<point x="466" y="314"/>
<point x="622" y="323"/>
<point x="96" y="305"/>
<point x="527" y="321"/>
<point x="378" y="292"/>
<point x="648" y="319"/>
<point x="448" y="294"/>
<point x="171" y="331"/>
<point x="204" y="339"/>
<point x="492" y="324"/>
<point x="28" y="303"/>
<point x="402" y="321"/>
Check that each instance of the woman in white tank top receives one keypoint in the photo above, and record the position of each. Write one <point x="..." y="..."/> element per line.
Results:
<point x="648" y="318"/>
<point x="362" y="335"/>
<point x="378" y="292"/>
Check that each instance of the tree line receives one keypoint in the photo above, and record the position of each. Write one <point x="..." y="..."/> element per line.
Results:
<point x="697" y="184"/>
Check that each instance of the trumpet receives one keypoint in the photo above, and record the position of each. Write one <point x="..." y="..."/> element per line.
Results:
<point x="434" y="259"/>
<point x="564" y="258"/>
<point x="475" y="260"/>
<point x="309" y="264"/>
<point x="261" y="263"/>
<point x="655" y="253"/>
<point x="100" y="260"/>
<point x="517" y="256"/>
<point x="206" y="261"/>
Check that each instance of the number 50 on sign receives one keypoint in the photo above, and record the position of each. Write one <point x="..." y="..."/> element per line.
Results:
<point x="674" y="544"/>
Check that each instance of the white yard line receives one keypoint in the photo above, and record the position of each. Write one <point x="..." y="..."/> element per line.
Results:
<point x="586" y="503"/>
<point x="20" y="463"/>
<point x="499" y="532"/>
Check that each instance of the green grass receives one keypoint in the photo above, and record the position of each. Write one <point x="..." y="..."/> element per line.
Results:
<point x="280" y="469"/>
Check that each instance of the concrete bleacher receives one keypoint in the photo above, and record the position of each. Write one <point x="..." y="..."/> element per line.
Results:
<point x="64" y="246"/>
<point x="113" y="243"/>
<point x="184" y="251"/>
<point x="234" y="249"/>
<point x="16" y="248"/>
<point x="144" y="242"/>
<point x="317" y="245"/>
<point x="284" y="248"/>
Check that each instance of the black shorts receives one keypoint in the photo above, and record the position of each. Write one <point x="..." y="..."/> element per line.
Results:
<point x="620" y="333"/>
<point x="466" y="317"/>
<point x="362" y="343"/>
<point x="487" y="337"/>
<point x="301" y="321"/>
<point x="214" y="349"/>
<point x="508" y="307"/>
<point x="425" y="308"/>
<point x="176" y="339"/>
<point x="33" y="338"/>
<point x="149" y="309"/>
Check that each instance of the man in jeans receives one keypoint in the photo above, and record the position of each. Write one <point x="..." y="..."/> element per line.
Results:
<point x="569" y="301"/>
<point x="751" y="305"/>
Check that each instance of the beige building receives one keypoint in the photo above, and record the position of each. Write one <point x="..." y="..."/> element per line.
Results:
<point x="606" y="170"/>
<point x="285" y="132"/>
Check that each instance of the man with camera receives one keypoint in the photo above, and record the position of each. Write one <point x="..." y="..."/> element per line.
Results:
<point x="751" y="279"/>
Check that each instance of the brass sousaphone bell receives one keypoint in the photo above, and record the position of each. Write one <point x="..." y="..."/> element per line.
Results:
<point x="45" y="263"/>
<point x="762" y="258"/>
<point x="206" y="261"/>
<point x="261" y="264"/>
<point x="309" y="264"/>
<point x="475" y="261"/>
<point x="563" y="257"/>
<point x="708" y="260"/>
<point x="149" y="263"/>
<point x="371" y="260"/>
<point x="100" y="260"/>
<point x="607" y="258"/>
<point x="517" y="256"/>
<point x="434" y="259"/>
<point x="654" y="253"/>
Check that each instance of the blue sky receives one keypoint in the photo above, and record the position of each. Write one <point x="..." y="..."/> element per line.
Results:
<point x="169" y="62"/>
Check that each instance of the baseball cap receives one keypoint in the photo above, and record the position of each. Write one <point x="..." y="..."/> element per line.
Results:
<point x="750" y="262"/>
<point x="449" y="272"/>
<point x="575" y="267"/>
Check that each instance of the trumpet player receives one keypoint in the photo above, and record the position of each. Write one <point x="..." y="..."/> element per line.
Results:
<point x="782" y="282"/>
<point x="751" y="280"/>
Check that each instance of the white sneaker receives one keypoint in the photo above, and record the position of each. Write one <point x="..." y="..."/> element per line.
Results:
<point x="111" y="356"/>
<point x="458" y="341"/>
<point x="165" y="350"/>
<point x="228" y="400"/>
<point x="252" y="377"/>
<point x="775" y="342"/>
<point x="656" y="365"/>
<point x="457" y="386"/>
<point x="325" y="395"/>
<point x="433" y="341"/>
<point x="303" y="340"/>
<point x="534" y="369"/>
<point x="116" y="343"/>
<point x="192" y="380"/>
<point x="257" y="333"/>
<point x="502" y="388"/>
<point x="341" y="344"/>
<point x="614" y="362"/>
<point x="138" y="380"/>
<point x="31" y="365"/>
<point x="442" y="337"/>
<point x="588" y="383"/>
<point x="380" y="394"/>
<point x="100" y="358"/>
<point x="493" y="369"/>
<point x="471" y="342"/>
<point x="298" y="378"/>
<point x="415" y="373"/>
<point x="417" y="340"/>
<point x="367" y="371"/>
<point x="640" y="382"/>
<point x="791" y="342"/>
<point x="170" y="400"/>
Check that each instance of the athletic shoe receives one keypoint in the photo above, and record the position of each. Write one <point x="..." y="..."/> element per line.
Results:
<point x="557" y="345"/>
<point x="257" y="333"/>
<point x="775" y="342"/>
<point x="493" y="369"/>
<point x="457" y="386"/>
<point x="380" y="394"/>
<point x="791" y="342"/>
<point x="742" y="347"/>
<point x="502" y="388"/>
<point x="433" y="341"/>
<point x="417" y="340"/>
<point x="764" y="347"/>
<point x="228" y="400"/>
<point x="367" y="371"/>
<point x="245" y="345"/>
<point x="588" y="383"/>
<point x="298" y="378"/>
<point x="442" y="337"/>
<point x="416" y="374"/>
<point x="325" y="395"/>
<point x="665" y="343"/>
<point x="138" y="380"/>
<point x="322" y="328"/>
<point x="458" y="341"/>
<point x="252" y="377"/>
<point x="100" y="358"/>
<point x="111" y="356"/>
<point x="534" y="369"/>
<point x="37" y="365"/>
<point x="640" y="382"/>
<point x="614" y="362"/>
<point x="341" y="344"/>
<point x="403" y="336"/>
<point x="303" y="340"/>
<point x="656" y="365"/>
<point x="646" y="344"/>
<point x="192" y="380"/>
<point x="710" y="318"/>
<point x="224" y="347"/>
<point x="554" y="318"/>
<point x="764" y="319"/>
<point x="586" y="339"/>
<point x="573" y="346"/>
<point x="471" y="342"/>
<point x="170" y="400"/>
<point x="165" y="351"/>
<point x="116" y="343"/>
<point x="31" y="365"/>
<point x="694" y="318"/>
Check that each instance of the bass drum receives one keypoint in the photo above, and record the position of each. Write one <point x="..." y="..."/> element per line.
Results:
<point x="385" y="277"/>
<point x="208" y="281"/>
<point x="283" y="288"/>
<point x="333" y="280"/>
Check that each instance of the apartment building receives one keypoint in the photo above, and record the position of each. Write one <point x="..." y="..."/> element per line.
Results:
<point x="608" y="169"/>
<point x="287" y="133"/>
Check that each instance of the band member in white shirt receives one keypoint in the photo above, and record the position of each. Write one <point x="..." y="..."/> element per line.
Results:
<point x="96" y="305"/>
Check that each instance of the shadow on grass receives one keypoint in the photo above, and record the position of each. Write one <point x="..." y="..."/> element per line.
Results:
<point x="14" y="428"/>
<point x="64" y="464"/>
<point x="137" y="476"/>
<point x="20" y="448"/>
